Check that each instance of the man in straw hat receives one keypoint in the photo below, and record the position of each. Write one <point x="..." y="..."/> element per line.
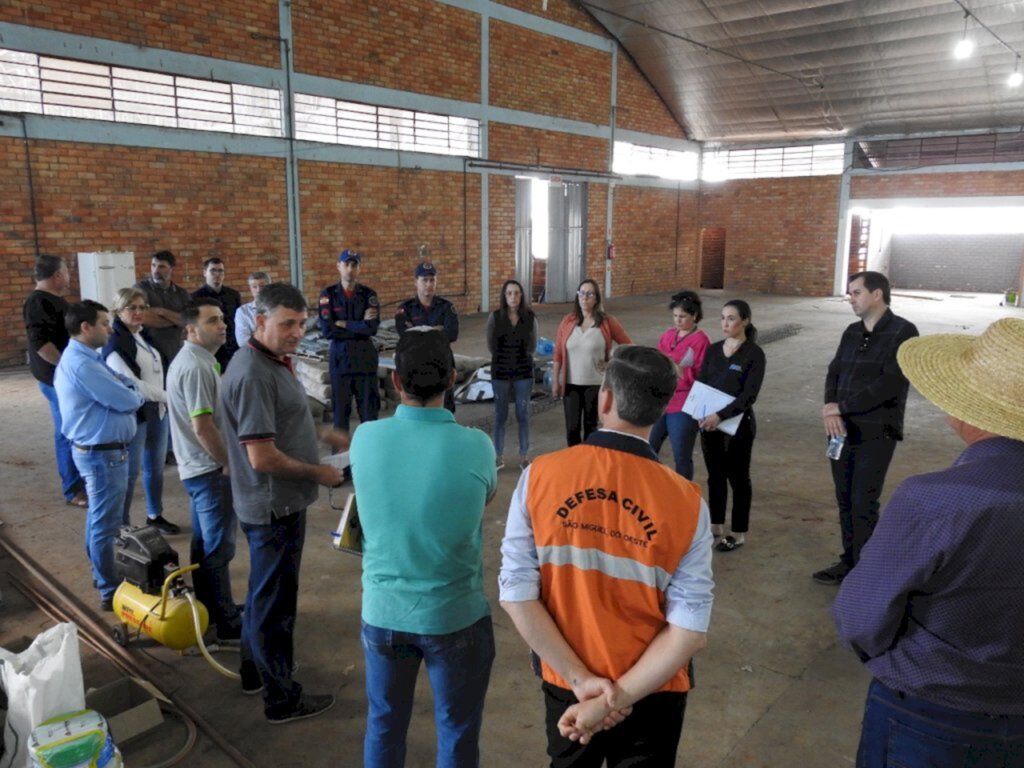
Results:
<point x="933" y="608"/>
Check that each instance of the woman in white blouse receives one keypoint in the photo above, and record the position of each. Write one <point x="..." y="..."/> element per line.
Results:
<point x="131" y="352"/>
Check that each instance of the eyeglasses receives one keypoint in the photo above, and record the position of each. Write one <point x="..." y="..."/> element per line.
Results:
<point x="137" y="307"/>
<point x="586" y="294"/>
<point x="216" y="271"/>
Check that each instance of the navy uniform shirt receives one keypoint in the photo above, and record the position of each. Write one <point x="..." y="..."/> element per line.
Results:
<point x="440" y="312"/>
<point x="352" y="349"/>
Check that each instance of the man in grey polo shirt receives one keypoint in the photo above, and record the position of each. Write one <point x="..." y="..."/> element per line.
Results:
<point x="275" y="469"/>
<point x="196" y="415"/>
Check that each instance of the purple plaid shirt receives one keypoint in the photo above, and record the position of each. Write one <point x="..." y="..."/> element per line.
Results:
<point x="935" y="607"/>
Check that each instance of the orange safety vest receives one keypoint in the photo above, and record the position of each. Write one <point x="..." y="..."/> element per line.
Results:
<point x="611" y="527"/>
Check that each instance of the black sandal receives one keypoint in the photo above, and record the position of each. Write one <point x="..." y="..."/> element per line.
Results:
<point x="728" y="544"/>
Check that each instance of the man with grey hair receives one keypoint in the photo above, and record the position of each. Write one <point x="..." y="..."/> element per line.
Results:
<point x="275" y="469"/>
<point x="245" y="315"/>
<point x="606" y="573"/>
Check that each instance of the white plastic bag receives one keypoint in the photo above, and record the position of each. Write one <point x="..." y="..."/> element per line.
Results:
<point x="43" y="681"/>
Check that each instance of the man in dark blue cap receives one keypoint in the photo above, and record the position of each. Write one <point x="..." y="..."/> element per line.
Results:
<point x="426" y="309"/>
<point x="349" y="317"/>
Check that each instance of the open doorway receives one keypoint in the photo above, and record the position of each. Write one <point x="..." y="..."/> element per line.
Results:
<point x="939" y="245"/>
<point x="712" y="257"/>
<point x="550" y="237"/>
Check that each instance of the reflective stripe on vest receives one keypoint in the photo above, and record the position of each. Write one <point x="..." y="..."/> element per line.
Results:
<point x="616" y="567"/>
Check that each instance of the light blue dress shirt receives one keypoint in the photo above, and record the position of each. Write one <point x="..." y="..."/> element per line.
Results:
<point x="97" y="405"/>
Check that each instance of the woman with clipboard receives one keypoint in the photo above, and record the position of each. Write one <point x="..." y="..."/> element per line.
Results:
<point x="734" y="366"/>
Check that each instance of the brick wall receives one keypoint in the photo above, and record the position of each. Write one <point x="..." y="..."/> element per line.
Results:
<point x="547" y="75"/>
<point x="651" y="254"/>
<point x="387" y="213"/>
<point x="102" y="198"/>
<point x="780" y="233"/>
<point x="532" y="146"/>
<point x="938" y="185"/>
<point x="95" y="197"/>
<point x="502" y="226"/>
<point x="638" y="106"/>
<point x="568" y="12"/>
<point x="412" y="45"/>
<point x="988" y="263"/>
<point x="222" y="30"/>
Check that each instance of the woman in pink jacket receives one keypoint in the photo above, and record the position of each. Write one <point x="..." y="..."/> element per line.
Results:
<point x="685" y="345"/>
<point x="583" y="345"/>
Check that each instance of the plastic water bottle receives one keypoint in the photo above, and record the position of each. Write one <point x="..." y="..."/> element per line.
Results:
<point x="835" y="447"/>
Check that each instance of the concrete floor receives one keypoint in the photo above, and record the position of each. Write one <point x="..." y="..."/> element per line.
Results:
<point x="773" y="687"/>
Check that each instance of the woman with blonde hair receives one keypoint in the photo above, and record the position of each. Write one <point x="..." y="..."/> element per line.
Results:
<point x="131" y="352"/>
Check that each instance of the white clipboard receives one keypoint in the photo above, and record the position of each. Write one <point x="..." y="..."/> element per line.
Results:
<point x="704" y="400"/>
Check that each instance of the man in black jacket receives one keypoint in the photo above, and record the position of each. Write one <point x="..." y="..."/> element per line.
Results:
<point x="865" y="399"/>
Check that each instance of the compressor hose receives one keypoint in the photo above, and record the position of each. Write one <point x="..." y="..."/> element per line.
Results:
<point x="202" y="646"/>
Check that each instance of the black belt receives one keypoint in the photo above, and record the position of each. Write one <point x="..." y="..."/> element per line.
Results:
<point x="102" y="447"/>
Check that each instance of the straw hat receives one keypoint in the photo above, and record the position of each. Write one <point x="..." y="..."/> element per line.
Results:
<point x="977" y="379"/>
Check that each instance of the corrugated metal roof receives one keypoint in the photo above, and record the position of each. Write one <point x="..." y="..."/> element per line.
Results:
<point x="778" y="70"/>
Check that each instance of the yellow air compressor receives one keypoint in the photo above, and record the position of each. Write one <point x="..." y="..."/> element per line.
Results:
<point x="167" y="617"/>
<point x="153" y="598"/>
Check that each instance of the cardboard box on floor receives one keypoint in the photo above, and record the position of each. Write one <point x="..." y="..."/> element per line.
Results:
<point x="130" y="706"/>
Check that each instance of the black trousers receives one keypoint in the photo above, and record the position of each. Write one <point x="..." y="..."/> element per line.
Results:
<point x="858" y="475"/>
<point x="580" y="405"/>
<point x="649" y="737"/>
<point x="727" y="458"/>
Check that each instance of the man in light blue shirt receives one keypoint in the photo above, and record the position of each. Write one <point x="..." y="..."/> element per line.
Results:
<point x="245" y="315"/>
<point x="423" y="596"/>
<point x="98" y="413"/>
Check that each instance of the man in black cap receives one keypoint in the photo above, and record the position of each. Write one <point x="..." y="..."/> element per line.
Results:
<point x="426" y="309"/>
<point x="349" y="317"/>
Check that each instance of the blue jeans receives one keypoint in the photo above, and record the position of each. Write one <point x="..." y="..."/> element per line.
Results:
<point x="149" y="450"/>
<point x="213" y="546"/>
<point x="681" y="430"/>
<point x="503" y="389"/>
<point x="268" y="624"/>
<point x="70" y="480"/>
<point x="106" y="482"/>
<point x="901" y="730"/>
<point x="459" y="668"/>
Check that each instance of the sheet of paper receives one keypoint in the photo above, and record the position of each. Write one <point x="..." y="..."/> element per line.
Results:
<point x="704" y="400"/>
<point x="338" y="460"/>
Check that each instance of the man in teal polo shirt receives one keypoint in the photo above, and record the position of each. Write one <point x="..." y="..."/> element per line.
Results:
<point x="423" y="595"/>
